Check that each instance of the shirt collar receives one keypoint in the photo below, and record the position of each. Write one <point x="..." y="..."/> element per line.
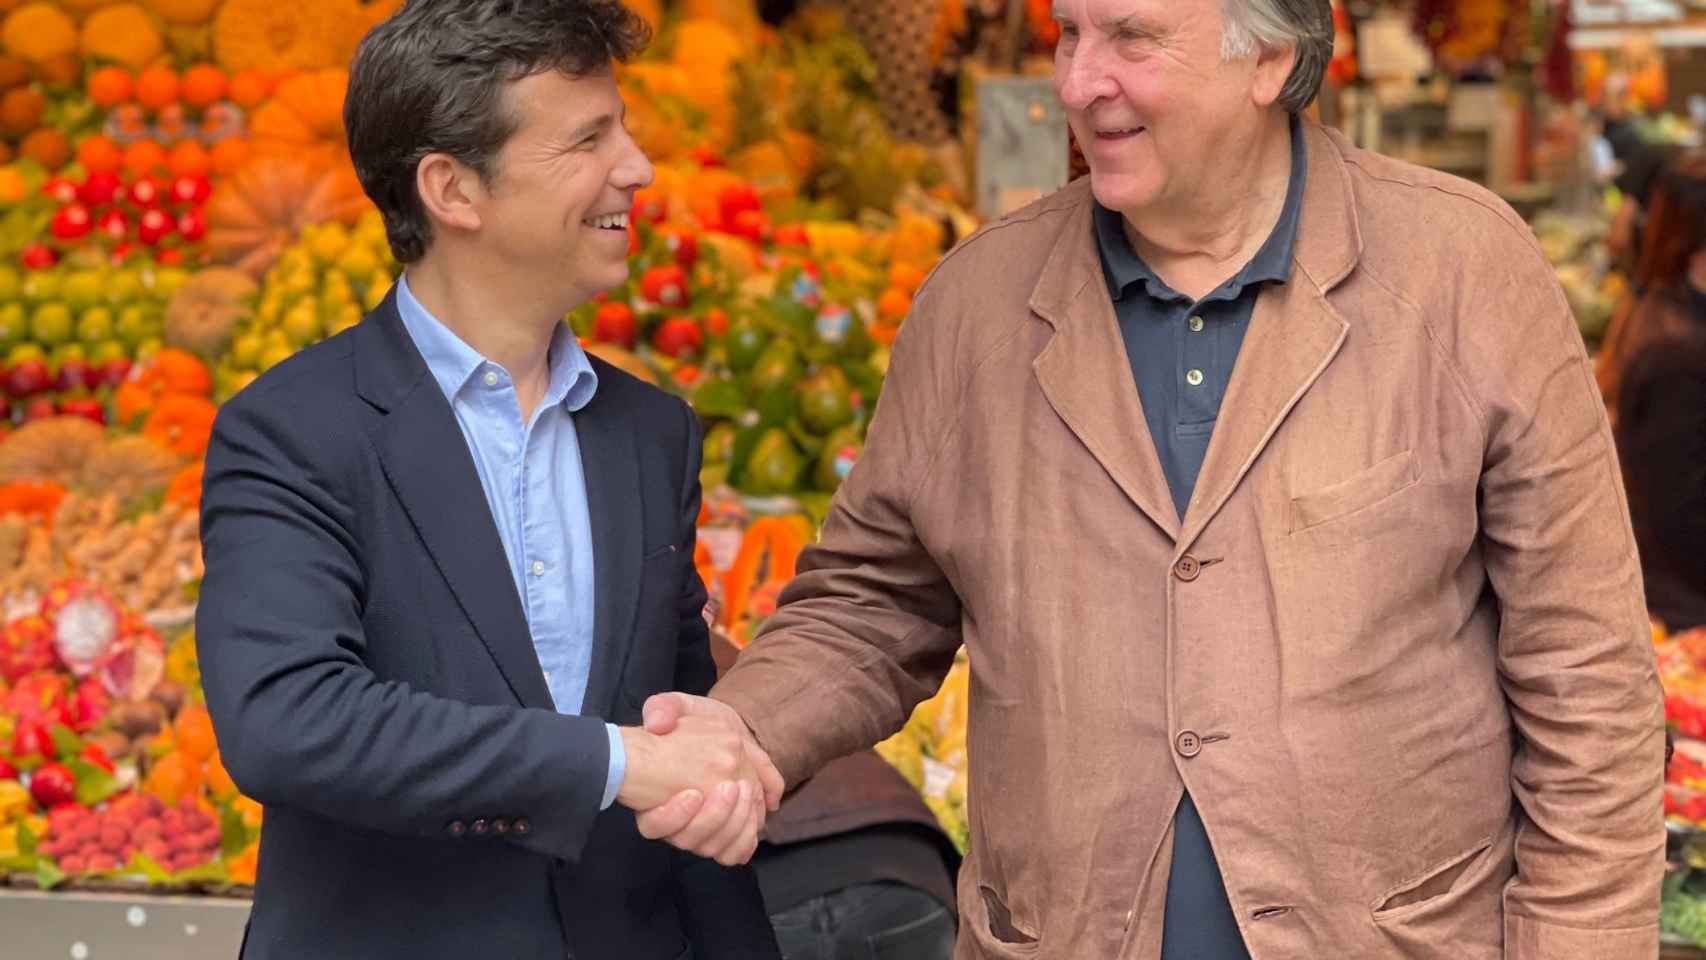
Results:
<point x="452" y="362"/>
<point x="1122" y="267"/>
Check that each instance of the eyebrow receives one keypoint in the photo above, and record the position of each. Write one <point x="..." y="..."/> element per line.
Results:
<point x="597" y="124"/>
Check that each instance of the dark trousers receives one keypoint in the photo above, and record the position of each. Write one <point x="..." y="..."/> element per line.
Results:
<point x="872" y="921"/>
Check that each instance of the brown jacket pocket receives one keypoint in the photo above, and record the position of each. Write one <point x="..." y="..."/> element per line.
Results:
<point x="1386" y="478"/>
<point x="1417" y="892"/>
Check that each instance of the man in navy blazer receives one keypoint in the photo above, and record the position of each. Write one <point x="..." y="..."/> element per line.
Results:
<point x="449" y="555"/>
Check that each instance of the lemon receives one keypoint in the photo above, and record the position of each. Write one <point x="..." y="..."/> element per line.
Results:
<point x="328" y="243"/>
<point x="246" y="350"/>
<point x="301" y="324"/>
<point x="273" y="356"/>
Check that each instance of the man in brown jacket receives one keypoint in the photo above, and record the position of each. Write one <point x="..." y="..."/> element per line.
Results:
<point x="1266" y="484"/>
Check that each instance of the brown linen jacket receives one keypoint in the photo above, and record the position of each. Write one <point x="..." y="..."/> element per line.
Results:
<point x="1395" y="648"/>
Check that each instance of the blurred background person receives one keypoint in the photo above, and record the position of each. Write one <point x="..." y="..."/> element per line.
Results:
<point x="1659" y="380"/>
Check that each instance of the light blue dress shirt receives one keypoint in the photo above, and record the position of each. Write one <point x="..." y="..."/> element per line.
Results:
<point x="534" y="485"/>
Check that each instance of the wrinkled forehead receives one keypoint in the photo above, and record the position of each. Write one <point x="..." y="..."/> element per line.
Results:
<point x="1153" y="14"/>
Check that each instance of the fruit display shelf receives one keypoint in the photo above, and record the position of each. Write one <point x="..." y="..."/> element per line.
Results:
<point x="119" y="923"/>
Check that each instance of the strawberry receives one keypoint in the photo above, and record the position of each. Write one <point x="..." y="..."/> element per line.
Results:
<point x="615" y="323"/>
<point x="52" y="785"/>
<point x="678" y="337"/>
<point x="666" y="285"/>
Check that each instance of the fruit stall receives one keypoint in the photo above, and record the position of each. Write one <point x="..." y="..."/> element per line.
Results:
<point x="178" y="213"/>
<point x="1682" y="669"/>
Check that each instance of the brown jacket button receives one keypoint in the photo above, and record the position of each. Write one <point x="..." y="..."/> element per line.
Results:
<point x="478" y="827"/>
<point x="456" y="828"/>
<point x="500" y="826"/>
<point x="1188" y="568"/>
<point x="522" y="827"/>
<point x="1189" y="744"/>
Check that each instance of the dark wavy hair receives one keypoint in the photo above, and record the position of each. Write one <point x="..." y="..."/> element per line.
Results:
<point x="431" y="79"/>
<point x="1675" y="227"/>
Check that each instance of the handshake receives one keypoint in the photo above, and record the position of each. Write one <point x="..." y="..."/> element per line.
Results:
<point x="697" y="779"/>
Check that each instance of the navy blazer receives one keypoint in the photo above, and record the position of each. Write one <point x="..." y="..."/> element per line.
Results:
<point x="373" y="683"/>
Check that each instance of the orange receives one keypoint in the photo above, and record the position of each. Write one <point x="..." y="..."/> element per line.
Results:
<point x="156" y="87"/>
<point x="203" y="84"/>
<point x="111" y="86"/>
<point x="179" y="371"/>
<point x="21" y="109"/>
<point x="47" y="147"/>
<point x="250" y="87"/>
<point x="143" y="157"/>
<point x="98" y="154"/>
<point x="61" y="71"/>
<point x="172" y="777"/>
<point x="218" y="779"/>
<point x="906" y="276"/>
<point x="894" y="304"/>
<point x="229" y="154"/>
<point x="189" y="159"/>
<point x="194" y="732"/>
<point x="242" y="867"/>
<point x="13" y="72"/>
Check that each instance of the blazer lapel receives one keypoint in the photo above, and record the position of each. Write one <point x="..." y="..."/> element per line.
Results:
<point x="610" y="463"/>
<point x="1084" y="373"/>
<point x="1294" y="334"/>
<point x="426" y="460"/>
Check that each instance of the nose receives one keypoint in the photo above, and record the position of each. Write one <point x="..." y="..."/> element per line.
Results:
<point x="634" y="171"/>
<point x="1080" y="76"/>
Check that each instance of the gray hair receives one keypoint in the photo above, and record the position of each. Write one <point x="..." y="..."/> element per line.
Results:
<point x="1304" y="25"/>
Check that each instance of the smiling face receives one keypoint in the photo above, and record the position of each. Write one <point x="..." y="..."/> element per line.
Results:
<point x="556" y="210"/>
<point x="1158" y="112"/>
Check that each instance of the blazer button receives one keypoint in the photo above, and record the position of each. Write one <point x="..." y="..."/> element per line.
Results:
<point x="456" y="828"/>
<point x="500" y="826"/>
<point x="1188" y="744"/>
<point x="479" y="827"/>
<point x="522" y="827"/>
<point x="1188" y="568"/>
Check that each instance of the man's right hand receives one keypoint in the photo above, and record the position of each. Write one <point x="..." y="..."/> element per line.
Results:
<point x="698" y="774"/>
<point x="682" y="821"/>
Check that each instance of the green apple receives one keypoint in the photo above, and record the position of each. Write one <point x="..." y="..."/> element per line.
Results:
<point x="95" y="325"/>
<point x="124" y="286"/>
<point x="132" y="325"/>
<point x="51" y="324"/>
<point x="40" y="286"/>
<point x="14" y="324"/>
<point x="167" y="280"/>
<point x="108" y="350"/>
<point x="25" y="351"/>
<point x="82" y="289"/>
<point x="10" y="283"/>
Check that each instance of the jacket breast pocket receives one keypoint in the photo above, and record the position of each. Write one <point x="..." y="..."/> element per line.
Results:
<point x="1356" y="495"/>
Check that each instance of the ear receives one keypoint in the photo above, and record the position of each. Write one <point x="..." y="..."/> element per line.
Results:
<point x="1273" y="69"/>
<point x="450" y="191"/>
